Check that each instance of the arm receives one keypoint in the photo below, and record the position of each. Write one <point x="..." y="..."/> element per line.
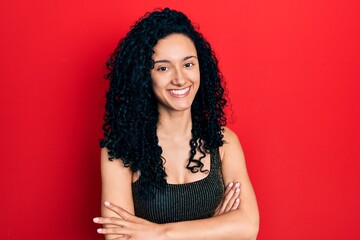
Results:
<point x="242" y="223"/>
<point x="116" y="187"/>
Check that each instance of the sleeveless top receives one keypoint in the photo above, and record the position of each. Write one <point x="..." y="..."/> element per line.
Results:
<point x="183" y="202"/>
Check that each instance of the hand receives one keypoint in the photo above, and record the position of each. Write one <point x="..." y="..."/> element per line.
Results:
<point x="128" y="225"/>
<point x="231" y="200"/>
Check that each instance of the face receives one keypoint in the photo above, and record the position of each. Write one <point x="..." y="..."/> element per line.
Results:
<point x="176" y="74"/>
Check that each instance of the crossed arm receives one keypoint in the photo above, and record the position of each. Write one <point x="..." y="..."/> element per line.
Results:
<point x="232" y="220"/>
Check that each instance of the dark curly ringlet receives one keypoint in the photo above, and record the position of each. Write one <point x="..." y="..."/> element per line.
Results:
<point x="131" y="115"/>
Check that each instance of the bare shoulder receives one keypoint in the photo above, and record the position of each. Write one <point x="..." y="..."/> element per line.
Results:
<point x="229" y="135"/>
<point x="116" y="182"/>
<point x="116" y="163"/>
<point x="104" y="154"/>
<point x="233" y="163"/>
<point x="231" y="145"/>
<point x="113" y="170"/>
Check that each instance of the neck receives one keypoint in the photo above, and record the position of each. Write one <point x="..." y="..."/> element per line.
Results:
<point x="174" y="125"/>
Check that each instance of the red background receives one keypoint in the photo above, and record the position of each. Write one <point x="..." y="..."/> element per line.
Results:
<point x="292" y="71"/>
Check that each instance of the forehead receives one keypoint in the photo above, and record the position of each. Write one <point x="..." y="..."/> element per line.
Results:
<point x="174" y="46"/>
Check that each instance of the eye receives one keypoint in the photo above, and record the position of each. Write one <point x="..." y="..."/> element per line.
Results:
<point x="189" y="65"/>
<point x="163" y="69"/>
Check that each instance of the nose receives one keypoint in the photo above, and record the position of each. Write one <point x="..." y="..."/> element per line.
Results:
<point x="179" y="78"/>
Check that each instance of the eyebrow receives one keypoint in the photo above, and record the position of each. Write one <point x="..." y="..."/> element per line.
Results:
<point x="167" y="61"/>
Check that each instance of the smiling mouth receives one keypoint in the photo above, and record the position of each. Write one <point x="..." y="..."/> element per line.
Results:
<point x="180" y="92"/>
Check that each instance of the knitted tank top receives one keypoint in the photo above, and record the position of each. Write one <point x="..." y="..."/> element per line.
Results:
<point x="182" y="202"/>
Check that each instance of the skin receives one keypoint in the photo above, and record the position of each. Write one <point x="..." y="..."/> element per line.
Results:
<point x="175" y="81"/>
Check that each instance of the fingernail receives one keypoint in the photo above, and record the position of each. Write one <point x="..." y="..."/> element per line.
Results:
<point x="107" y="203"/>
<point x="96" y="219"/>
<point x="230" y="184"/>
<point x="99" y="230"/>
<point x="237" y="184"/>
<point x="237" y="200"/>
<point x="237" y="190"/>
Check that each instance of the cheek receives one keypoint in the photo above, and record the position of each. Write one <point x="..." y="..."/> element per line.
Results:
<point x="196" y="77"/>
<point x="196" y="74"/>
<point x="197" y="81"/>
<point x="157" y="85"/>
<point x="193" y="75"/>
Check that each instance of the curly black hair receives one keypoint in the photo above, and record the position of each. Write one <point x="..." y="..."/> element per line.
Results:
<point x="131" y="115"/>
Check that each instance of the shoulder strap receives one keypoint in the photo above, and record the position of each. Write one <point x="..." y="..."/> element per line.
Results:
<point x="215" y="159"/>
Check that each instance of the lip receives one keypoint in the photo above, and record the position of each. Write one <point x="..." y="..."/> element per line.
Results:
<point x="179" y="93"/>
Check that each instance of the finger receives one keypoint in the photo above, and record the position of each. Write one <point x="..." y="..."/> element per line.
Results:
<point x="221" y="205"/>
<point x="118" y="210"/>
<point x="225" y="202"/>
<point x="228" y="187"/>
<point x="217" y="210"/>
<point x="114" y="231"/>
<point x="111" y="220"/>
<point x="228" y="197"/>
<point x="231" y="186"/>
<point x="236" y="204"/>
<point x="232" y="200"/>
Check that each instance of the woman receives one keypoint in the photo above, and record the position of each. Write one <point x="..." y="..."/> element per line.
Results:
<point x="170" y="154"/>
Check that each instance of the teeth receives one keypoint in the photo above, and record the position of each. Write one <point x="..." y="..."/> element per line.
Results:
<point x="179" y="92"/>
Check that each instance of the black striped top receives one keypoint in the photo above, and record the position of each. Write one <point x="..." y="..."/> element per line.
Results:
<point x="182" y="202"/>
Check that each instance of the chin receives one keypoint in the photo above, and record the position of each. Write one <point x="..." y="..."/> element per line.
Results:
<point x="176" y="108"/>
<point x="181" y="108"/>
<point x="170" y="105"/>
